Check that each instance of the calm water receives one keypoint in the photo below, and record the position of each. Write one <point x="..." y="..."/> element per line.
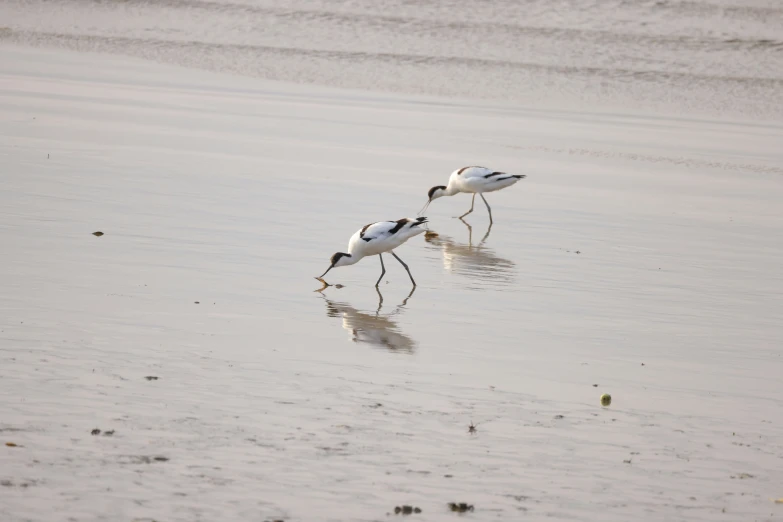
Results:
<point x="715" y="57"/>
<point x="631" y="261"/>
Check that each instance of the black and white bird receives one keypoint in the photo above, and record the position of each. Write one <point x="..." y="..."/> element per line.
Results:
<point x="473" y="180"/>
<point x="376" y="239"/>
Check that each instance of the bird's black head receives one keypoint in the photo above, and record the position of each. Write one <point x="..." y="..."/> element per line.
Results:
<point x="337" y="256"/>
<point x="433" y="193"/>
<point x="337" y="260"/>
<point x="433" y="190"/>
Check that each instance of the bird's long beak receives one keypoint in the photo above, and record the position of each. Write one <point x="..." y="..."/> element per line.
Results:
<point x="424" y="208"/>
<point x="322" y="275"/>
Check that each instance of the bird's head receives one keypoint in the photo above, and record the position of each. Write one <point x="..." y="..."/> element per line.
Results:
<point x="338" y="259"/>
<point x="433" y="194"/>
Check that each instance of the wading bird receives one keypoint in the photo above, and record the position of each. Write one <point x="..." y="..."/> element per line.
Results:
<point x="473" y="180"/>
<point x="376" y="239"/>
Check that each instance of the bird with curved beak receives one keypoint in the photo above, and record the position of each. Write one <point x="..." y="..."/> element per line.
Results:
<point x="377" y="239"/>
<point x="472" y="180"/>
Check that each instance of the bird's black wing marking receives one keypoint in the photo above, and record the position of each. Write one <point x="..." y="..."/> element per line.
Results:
<point x="396" y="228"/>
<point x="364" y="229"/>
<point x="504" y="176"/>
<point x="368" y="239"/>
<point x="404" y="221"/>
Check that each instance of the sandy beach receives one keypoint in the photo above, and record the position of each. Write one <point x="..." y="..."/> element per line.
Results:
<point x="640" y="257"/>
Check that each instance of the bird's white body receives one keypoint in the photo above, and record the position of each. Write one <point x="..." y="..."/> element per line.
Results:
<point x="376" y="239"/>
<point x="477" y="180"/>
<point x="384" y="236"/>
<point x="473" y="180"/>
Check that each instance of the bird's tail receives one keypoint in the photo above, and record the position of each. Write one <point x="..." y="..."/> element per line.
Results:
<point x="418" y="221"/>
<point x="519" y="176"/>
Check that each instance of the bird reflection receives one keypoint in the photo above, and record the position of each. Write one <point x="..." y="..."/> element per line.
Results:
<point x="474" y="261"/>
<point x="372" y="327"/>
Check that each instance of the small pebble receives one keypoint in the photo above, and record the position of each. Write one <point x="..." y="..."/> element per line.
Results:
<point x="96" y="431"/>
<point x="406" y="510"/>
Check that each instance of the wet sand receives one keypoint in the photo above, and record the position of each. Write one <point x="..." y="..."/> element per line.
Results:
<point x="221" y="197"/>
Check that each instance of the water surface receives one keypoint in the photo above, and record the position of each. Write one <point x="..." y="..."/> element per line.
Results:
<point x="640" y="257"/>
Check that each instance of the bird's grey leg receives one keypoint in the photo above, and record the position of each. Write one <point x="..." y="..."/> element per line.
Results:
<point x="406" y="267"/>
<point x="471" y="206"/>
<point x="490" y="210"/>
<point x="383" y="269"/>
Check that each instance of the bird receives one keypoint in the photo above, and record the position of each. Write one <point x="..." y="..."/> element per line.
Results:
<point x="473" y="180"/>
<point x="377" y="239"/>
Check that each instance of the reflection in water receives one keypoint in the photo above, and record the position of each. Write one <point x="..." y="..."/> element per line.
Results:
<point x="372" y="327"/>
<point x="476" y="262"/>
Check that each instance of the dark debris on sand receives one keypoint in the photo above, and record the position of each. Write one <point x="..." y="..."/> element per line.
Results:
<point x="143" y="459"/>
<point x="406" y="510"/>
<point x="462" y="507"/>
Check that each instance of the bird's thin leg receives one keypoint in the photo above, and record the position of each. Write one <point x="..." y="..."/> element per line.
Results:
<point x="406" y="267"/>
<point x="490" y="210"/>
<point x="471" y="206"/>
<point x="383" y="269"/>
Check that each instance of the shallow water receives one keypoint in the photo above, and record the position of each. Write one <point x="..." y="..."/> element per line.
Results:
<point x="710" y="57"/>
<point x="640" y="255"/>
